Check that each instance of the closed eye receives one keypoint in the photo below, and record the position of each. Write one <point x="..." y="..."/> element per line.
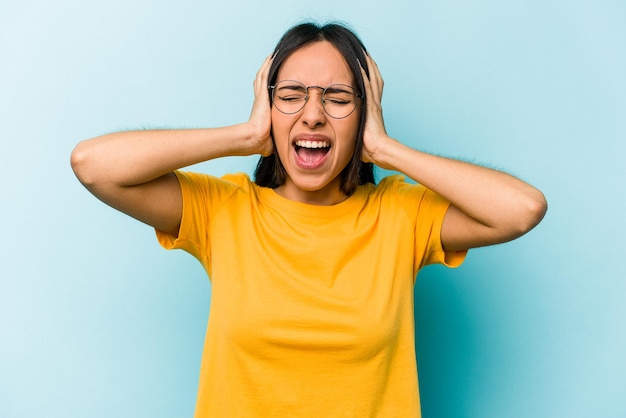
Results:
<point x="339" y="95"/>
<point x="291" y="93"/>
<point x="336" y="101"/>
<point x="291" y="98"/>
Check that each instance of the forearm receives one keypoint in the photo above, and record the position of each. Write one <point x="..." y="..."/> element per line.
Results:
<point x="488" y="206"/>
<point x="493" y="198"/>
<point x="136" y="157"/>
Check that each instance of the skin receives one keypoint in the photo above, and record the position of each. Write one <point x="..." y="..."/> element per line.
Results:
<point x="487" y="206"/>
<point x="318" y="64"/>
<point x="132" y="171"/>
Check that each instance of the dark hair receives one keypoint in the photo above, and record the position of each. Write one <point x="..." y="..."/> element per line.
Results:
<point x="269" y="170"/>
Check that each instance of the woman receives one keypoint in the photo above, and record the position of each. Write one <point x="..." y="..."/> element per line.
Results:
<point x="312" y="266"/>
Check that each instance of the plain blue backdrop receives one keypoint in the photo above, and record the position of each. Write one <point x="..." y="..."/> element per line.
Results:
<point x="97" y="321"/>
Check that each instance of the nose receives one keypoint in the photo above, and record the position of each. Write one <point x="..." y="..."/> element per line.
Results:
<point x="313" y="113"/>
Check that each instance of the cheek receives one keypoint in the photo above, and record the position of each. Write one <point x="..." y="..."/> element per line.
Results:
<point x="280" y="124"/>
<point x="350" y="131"/>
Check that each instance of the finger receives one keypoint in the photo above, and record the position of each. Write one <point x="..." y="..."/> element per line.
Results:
<point x="368" y="87"/>
<point x="372" y="89"/>
<point x="376" y="79"/>
<point x="260" y="82"/>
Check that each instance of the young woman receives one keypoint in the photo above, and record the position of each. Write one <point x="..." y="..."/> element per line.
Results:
<point x="312" y="265"/>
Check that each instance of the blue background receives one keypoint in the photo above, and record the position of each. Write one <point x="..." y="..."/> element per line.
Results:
<point x="97" y="321"/>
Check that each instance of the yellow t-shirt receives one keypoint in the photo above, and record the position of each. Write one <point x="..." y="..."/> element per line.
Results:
<point x="312" y="306"/>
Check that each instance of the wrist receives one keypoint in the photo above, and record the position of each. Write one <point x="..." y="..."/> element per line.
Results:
<point x="386" y="153"/>
<point x="255" y="139"/>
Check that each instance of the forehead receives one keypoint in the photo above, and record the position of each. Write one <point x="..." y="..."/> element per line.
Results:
<point x="319" y="64"/>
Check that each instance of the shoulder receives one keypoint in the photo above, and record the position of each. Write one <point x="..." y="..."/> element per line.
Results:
<point x="203" y="180"/>
<point x="238" y="179"/>
<point x="396" y="185"/>
<point x="202" y="187"/>
<point x="414" y="198"/>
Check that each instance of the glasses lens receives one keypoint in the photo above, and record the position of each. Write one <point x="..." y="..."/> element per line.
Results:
<point x="339" y="100"/>
<point x="289" y="96"/>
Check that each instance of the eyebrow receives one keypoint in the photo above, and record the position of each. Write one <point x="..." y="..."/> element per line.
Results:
<point x="333" y="88"/>
<point x="292" y="87"/>
<point x="340" y="88"/>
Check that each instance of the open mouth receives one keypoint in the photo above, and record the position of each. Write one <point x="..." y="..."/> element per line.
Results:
<point x="311" y="153"/>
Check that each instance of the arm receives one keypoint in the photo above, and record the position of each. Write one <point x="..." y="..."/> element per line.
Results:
<point x="133" y="171"/>
<point x="487" y="206"/>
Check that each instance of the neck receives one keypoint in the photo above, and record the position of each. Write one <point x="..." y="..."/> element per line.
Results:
<point x="327" y="196"/>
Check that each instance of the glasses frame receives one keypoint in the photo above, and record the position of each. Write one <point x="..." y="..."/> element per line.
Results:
<point x="307" y="96"/>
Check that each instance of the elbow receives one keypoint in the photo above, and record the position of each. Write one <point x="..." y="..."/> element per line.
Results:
<point x="82" y="164"/>
<point x="77" y="161"/>
<point x="533" y="210"/>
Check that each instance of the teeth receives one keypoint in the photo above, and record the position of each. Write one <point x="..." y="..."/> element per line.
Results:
<point x="312" y="144"/>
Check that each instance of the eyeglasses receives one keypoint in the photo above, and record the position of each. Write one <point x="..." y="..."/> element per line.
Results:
<point x="338" y="100"/>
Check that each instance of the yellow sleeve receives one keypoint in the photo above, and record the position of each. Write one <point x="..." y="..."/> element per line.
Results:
<point x="203" y="195"/>
<point x="433" y="210"/>
<point x="426" y="210"/>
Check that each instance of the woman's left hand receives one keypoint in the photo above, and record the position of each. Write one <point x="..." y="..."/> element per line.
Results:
<point x="375" y="136"/>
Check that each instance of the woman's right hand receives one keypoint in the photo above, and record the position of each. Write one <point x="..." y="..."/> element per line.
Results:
<point x="260" y="120"/>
